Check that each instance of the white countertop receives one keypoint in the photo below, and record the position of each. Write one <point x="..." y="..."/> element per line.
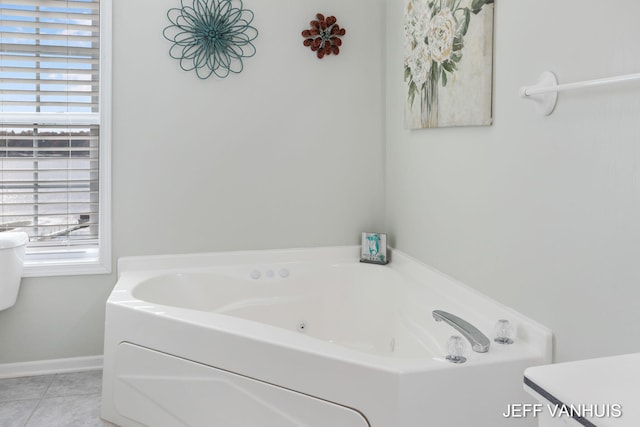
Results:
<point x="602" y="384"/>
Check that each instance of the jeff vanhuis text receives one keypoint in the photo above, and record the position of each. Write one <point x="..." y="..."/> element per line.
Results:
<point x="523" y="410"/>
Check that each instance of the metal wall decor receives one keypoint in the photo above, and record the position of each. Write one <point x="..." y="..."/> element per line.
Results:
<point x="211" y="36"/>
<point x="324" y="36"/>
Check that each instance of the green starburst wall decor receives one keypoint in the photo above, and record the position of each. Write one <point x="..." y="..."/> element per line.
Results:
<point x="211" y="36"/>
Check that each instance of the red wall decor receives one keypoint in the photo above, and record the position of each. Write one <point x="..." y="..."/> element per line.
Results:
<point x="324" y="36"/>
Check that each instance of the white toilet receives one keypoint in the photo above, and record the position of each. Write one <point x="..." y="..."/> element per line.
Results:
<point x="12" y="248"/>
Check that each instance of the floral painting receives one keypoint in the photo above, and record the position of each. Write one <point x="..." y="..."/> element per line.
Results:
<point x="448" y="60"/>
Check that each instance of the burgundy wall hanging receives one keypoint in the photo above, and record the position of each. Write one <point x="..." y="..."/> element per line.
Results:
<point x="324" y="36"/>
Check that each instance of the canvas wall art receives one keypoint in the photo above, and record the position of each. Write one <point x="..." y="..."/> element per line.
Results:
<point x="448" y="63"/>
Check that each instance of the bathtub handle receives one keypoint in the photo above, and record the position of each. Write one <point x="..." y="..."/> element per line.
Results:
<point x="479" y="341"/>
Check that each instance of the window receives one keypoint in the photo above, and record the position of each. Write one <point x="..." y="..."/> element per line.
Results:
<point x="54" y="132"/>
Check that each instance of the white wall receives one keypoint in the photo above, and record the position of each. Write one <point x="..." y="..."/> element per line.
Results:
<point x="541" y="213"/>
<point x="289" y="153"/>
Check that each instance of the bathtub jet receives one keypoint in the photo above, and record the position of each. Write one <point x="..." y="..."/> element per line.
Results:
<point x="307" y="337"/>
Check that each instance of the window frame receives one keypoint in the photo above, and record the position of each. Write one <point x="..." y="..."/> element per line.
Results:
<point x="75" y="261"/>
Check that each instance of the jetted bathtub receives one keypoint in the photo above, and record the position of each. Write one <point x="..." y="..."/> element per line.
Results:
<point x="308" y="337"/>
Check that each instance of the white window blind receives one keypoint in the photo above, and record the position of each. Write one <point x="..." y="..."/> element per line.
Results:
<point x="50" y="122"/>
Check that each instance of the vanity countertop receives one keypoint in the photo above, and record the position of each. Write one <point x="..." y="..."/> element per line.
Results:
<point x="606" y="389"/>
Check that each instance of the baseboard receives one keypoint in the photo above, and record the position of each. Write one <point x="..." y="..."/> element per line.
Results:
<point x="54" y="366"/>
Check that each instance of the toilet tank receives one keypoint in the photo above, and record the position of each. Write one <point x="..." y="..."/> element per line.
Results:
<point x="12" y="249"/>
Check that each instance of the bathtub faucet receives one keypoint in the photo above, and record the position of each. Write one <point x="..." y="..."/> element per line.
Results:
<point x="479" y="341"/>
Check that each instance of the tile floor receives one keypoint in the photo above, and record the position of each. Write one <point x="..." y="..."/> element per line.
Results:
<point x="59" y="400"/>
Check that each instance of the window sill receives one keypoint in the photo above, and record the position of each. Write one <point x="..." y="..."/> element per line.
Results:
<point x="48" y="265"/>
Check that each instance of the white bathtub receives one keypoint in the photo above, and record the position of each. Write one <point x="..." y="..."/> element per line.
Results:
<point x="307" y="338"/>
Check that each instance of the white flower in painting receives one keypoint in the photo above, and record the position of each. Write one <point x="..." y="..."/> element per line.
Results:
<point x="409" y="40"/>
<point x="442" y="31"/>
<point x="417" y="15"/>
<point x="420" y="64"/>
<point x="416" y="50"/>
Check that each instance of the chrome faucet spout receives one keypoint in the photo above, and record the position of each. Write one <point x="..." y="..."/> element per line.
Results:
<point x="479" y="341"/>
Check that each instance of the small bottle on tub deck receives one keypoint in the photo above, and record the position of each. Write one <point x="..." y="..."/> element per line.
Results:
<point x="374" y="248"/>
